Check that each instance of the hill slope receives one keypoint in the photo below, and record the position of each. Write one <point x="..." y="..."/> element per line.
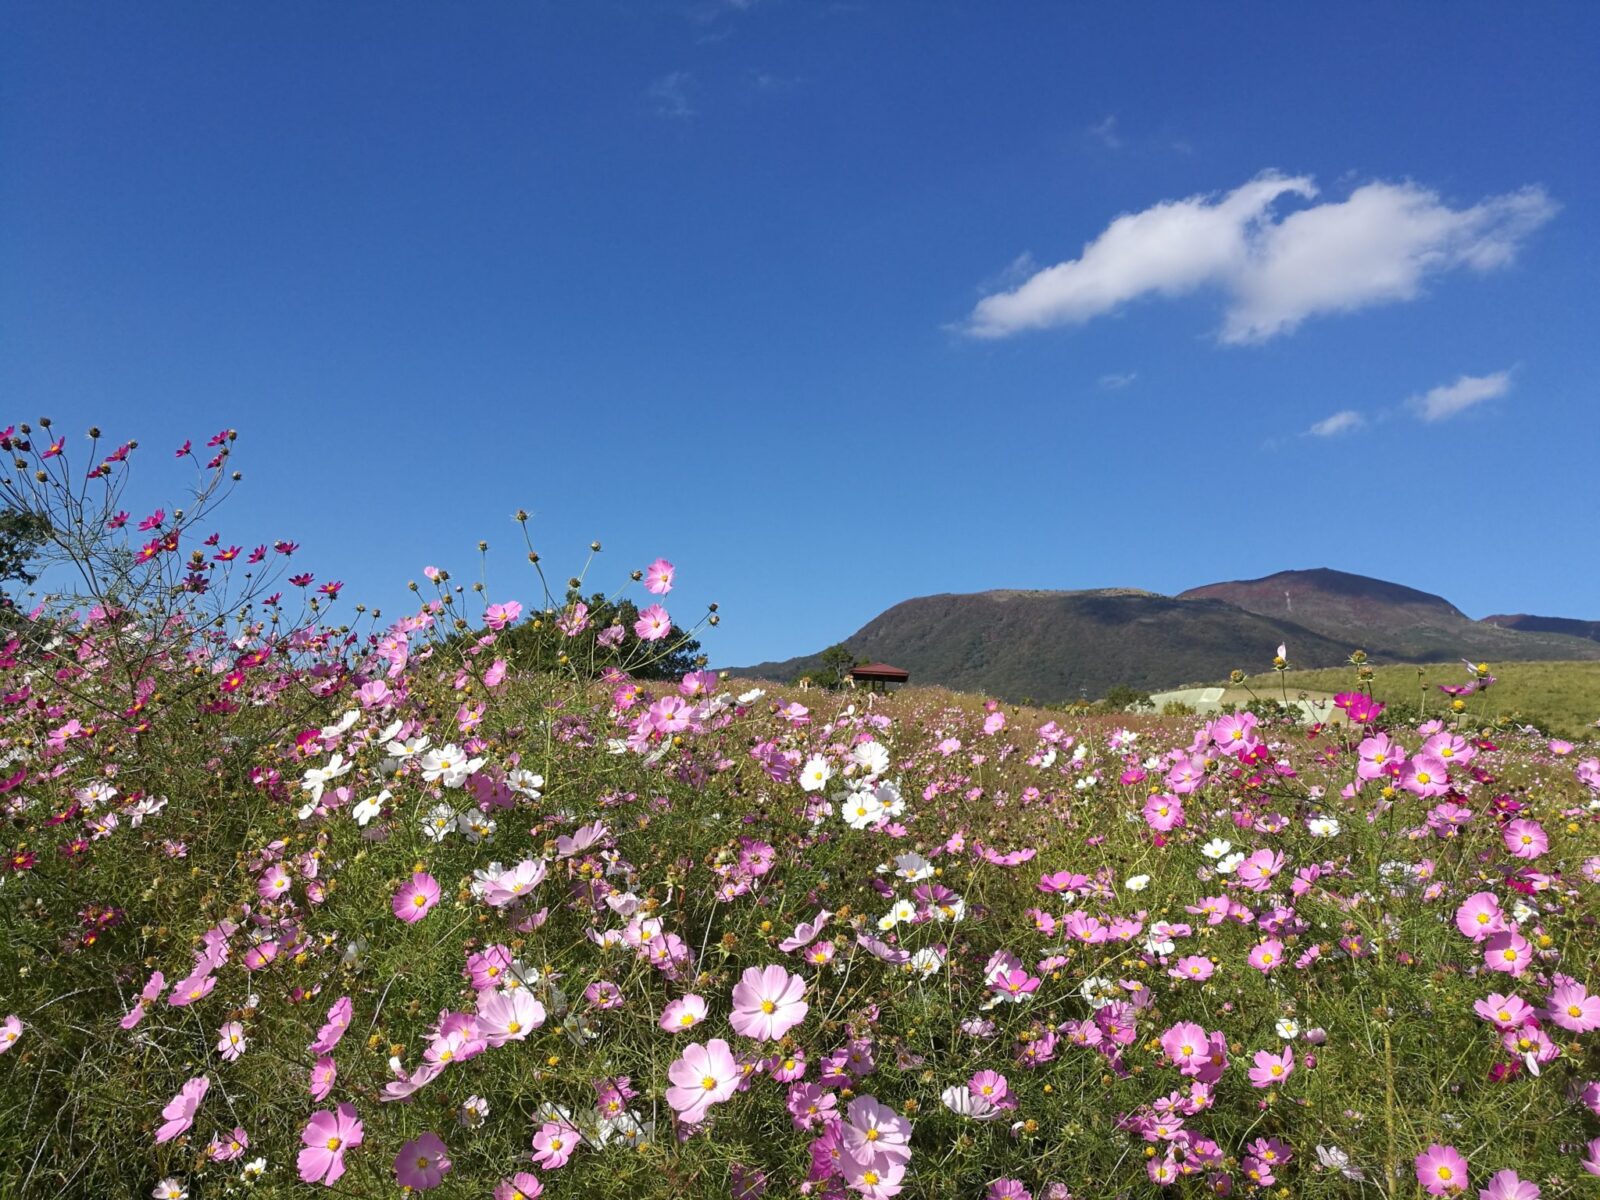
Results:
<point x="1525" y="623"/>
<point x="1388" y="620"/>
<point x="1052" y="646"/>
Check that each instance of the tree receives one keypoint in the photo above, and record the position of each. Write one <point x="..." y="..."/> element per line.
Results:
<point x="590" y="634"/>
<point x="22" y="533"/>
<point x="835" y="666"/>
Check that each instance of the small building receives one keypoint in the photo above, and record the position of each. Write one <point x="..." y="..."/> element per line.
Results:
<point x="878" y="676"/>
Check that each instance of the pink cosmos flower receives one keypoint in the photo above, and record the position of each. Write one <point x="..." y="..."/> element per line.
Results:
<point x="1505" y="1012"/>
<point x="323" y="1073"/>
<point x="1266" y="957"/>
<point x="1479" y="916"/>
<point x="683" y="1013"/>
<point x="1571" y="1007"/>
<point x="422" y="1163"/>
<point x="554" y="1144"/>
<point x="653" y="624"/>
<point x="327" y="1136"/>
<point x="1441" y="1170"/>
<point x="415" y="897"/>
<point x="498" y="616"/>
<point x="338" y="1021"/>
<point x="1508" y="1185"/>
<point x="1509" y="952"/>
<point x="875" y="1135"/>
<point x="1525" y="838"/>
<point x="1193" y="966"/>
<point x="702" y="1076"/>
<point x="1592" y="1163"/>
<point x="521" y="1186"/>
<point x="152" y="992"/>
<point x="877" y="1181"/>
<point x="508" y="1016"/>
<point x="230" y="1041"/>
<point x="11" y="1030"/>
<point x="658" y="577"/>
<point x="226" y="1151"/>
<point x="1272" y="1069"/>
<point x="1186" y="1043"/>
<point x="179" y="1113"/>
<point x="1426" y="776"/>
<point x="768" y="1002"/>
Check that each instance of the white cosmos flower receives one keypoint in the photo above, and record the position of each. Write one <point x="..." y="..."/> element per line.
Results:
<point x="1216" y="848"/>
<point x="927" y="961"/>
<point x="441" y="819"/>
<point x="888" y="795"/>
<point x="1288" y="1028"/>
<point x="872" y="756"/>
<point x="526" y="783"/>
<point x="448" y="766"/>
<point x="390" y="731"/>
<point x="1231" y="863"/>
<point x="317" y="778"/>
<point x="1323" y="827"/>
<point x="1137" y="883"/>
<point x="370" y="807"/>
<point x="862" y="809"/>
<point x="476" y="825"/>
<point x="409" y="748"/>
<point x="913" y="868"/>
<point x="329" y="732"/>
<point x="815" y="774"/>
<point x="751" y="696"/>
<point x="960" y="1100"/>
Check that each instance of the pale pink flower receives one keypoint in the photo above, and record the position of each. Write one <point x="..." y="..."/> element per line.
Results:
<point x="683" y="1013"/>
<point x="702" y="1076"/>
<point x="768" y="1002"/>
<point x="231" y="1041"/>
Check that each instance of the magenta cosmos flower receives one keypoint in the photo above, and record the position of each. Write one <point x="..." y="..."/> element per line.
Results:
<point x="178" y="1115"/>
<point x="422" y="1163"/>
<point x="1441" y="1170"/>
<point x="327" y="1136"/>
<point x="768" y="1002"/>
<point x="554" y="1144"/>
<point x="702" y="1076"/>
<point x="415" y="897"/>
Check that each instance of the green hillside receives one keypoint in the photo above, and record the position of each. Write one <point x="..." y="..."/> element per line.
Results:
<point x="1564" y="697"/>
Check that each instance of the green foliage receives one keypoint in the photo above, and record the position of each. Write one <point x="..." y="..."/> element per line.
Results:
<point x="541" y="643"/>
<point x="22" y="533"/>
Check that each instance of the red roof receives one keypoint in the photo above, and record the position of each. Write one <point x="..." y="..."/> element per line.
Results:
<point x="879" y="671"/>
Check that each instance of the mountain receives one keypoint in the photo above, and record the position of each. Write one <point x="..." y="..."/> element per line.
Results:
<point x="1059" y="645"/>
<point x="1530" y="624"/>
<point x="1051" y="646"/>
<point x="1388" y="620"/>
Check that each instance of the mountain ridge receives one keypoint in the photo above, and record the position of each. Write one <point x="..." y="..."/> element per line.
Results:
<point x="1050" y="645"/>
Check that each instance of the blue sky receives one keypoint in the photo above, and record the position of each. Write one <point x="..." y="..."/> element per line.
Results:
<point x="831" y="304"/>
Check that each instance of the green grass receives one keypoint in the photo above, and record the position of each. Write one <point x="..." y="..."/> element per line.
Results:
<point x="1563" y="697"/>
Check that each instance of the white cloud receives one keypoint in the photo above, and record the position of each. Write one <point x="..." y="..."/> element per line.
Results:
<point x="1117" y="380"/>
<point x="1376" y="247"/>
<point x="1346" y="421"/>
<point x="671" y="94"/>
<point x="1448" y="399"/>
<point x="1106" y="133"/>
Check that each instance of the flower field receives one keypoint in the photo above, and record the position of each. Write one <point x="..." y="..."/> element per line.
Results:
<point x="301" y="899"/>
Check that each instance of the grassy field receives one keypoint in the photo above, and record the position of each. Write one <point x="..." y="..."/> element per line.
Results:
<point x="1562" y="696"/>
